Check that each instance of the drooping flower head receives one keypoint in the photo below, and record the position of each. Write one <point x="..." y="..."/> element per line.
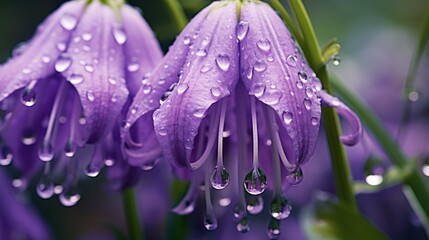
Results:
<point x="234" y="75"/>
<point x="63" y="94"/>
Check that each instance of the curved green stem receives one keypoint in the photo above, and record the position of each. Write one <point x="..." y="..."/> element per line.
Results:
<point x="176" y="10"/>
<point x="417" y="190"/>
<point x="131" y="214"/>
<point x="342" y="175"/>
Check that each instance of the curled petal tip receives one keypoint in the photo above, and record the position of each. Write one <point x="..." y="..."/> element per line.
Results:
<point x="354" y="121"/>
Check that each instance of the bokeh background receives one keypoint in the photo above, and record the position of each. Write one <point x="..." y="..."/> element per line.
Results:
<point x="377" y="38"/>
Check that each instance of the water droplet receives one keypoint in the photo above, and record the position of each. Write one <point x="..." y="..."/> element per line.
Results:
<point x="90" y="95"/>
<point x="69" y="198"/>
<point x="219" y="178"/>
<point x="70" y="149"/>
<point x="258" y="89"/>
<point x="223" y="62"/>
<point x="225" y="202"/>
<point x="87" y="36"/>
<point x="425" y="167"/>
<point x="89" y="68"/>
<point x="61" y="46"/>
<point x="302" y="76"/>
<point x="201" y="52"/>
<point x="210" y="222"/>
<point x="108" y="162"/>
<point x="295" y="177"/>
<point x="374" y="171"/>
<point x="216" y="92"/>
<point x="58" y="189"/>
<point x="147" y="166"/>
<point x="264" y="44"/>
<point x="75" y="79"/>
<point x="249" y="73"/>
<point x="28" y="97"/>
<point x="182" y="88"/>
<point x="307" y="103"/>
<point x="239" y="212"/>
<point x="242" y="30"/>
<point x="292" y="60"/>
<point x="187" y="40"/>
<point x="200" y="112"/>
<point x="162" y="131"/>
<point x="413" y="96"/>
<point x="63" y="63"/>
<point x="112" y="80"/>
<point x="45" y="188"/>
<point x="28" y="138"/>
<point x="255" y="181"/>
<point x="299" y="84"/>
<point x="255" y="205"/>
<point x="186" y="206"/>
<point x="270" y="58"/>
<point x="287" y="117"/>
<point x="314" y="121"/>
<point x="309" y="91"/>
<point x="133" y="67"/>
<point x="274" y="229"/>
<point x="46" y="152"/>
<point x="272" y="97"/>
<point x="92" y="171"/>
<point x="280" y="208"/>
<point x="336" y="60"/>
<point x="46" y="59"/>
<point x="243" y="226"/>
<point x="260" y="66"/>
<point x="68" y="21"/>
<point x="6" y="156"/>
<point x="147" y="88"/>
<point x="205" y="68"/>
<point x="119" y="34"/>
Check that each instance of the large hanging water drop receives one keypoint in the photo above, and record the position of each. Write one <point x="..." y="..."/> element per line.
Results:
<point x="28" y="97"/>
<point x="219" y="178"/>
<point x="280" y="207"/>
<point x="210" y="221"/>
<point x="45" y="187"/>
<point x="69" y="198"/>
<point x="255" y="181"/>
<point x="6" y="156"/>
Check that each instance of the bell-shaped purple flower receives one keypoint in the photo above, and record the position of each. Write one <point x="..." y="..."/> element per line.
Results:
<point x="243" y="82"/>
<point x="63" y="95"/>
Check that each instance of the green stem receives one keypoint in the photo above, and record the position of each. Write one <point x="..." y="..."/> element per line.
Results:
<point x="418" y="190"/>
<point x="342" y="175"/>
<point x="179" y="16"/>
<point x="412" y="71"/>
<point x="131" y="214"/>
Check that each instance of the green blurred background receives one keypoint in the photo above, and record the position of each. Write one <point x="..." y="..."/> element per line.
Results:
<point x="356" y="24"/>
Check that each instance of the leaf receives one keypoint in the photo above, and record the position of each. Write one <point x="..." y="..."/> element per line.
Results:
<point x="326" y="219"/>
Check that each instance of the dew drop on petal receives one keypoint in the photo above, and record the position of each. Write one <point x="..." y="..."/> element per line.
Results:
<point x="299" y="84"/>
<point x="309" y="92"/>
<point x="89" y="68"/>
<point x="119" y="34"/>
<point x="68" y="21"/>
<point x="63" y="63"/>
<point x="302" y="76"/>
<point x="314" y="121"/>
<point x="223" y="62"/>
<point x="242" y="30"/>
<point x="307" y="103"/>
<point x="272" y="97"/>
<point x="205" y="68"/>
<point x="147" y="88"/>
<point x="287" y="117"/>
<point x="90" y="95"/>
<point x="112" y="80"/>
<point x="216" y="92"/>
<point x="61" y="46"/>
<point x="258" y="89"/>
<point x="87" y="36"/>
<point x="219" y="178"/>
<point x="182" y="88"/>
<point x="260" y="66"/>
<point x="162" y="131"/>
<point x="133" y="67"/>
<point x="201" y="52"/>
<point x="75" y="79"/>
<point x="295" y="177"/>
<point x="187" y="40"/>
<point x="292" y="60"/>
<point x="264" y="44"/>
<point x="46" y="59"/>
<point x="199" y="112"/>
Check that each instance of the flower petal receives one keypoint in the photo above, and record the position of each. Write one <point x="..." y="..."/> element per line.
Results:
<point x="154" y="87"/>
<point x="38" y="59"/>
<point x="356" y="126"/>
<point x="274" y="71"/>
<point x="211" y="73"/>
<point x="142" y="50"/>
<point x="97" y="69"/>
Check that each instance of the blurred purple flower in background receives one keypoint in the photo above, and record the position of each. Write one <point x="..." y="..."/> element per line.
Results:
<point x="63" y="95"/>
<point x="17" y="219"/>
<point x="245" y="80"/>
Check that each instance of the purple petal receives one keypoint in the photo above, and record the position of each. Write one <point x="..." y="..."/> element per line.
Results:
<point x="274" y="71"/>
<point x="354" y="121"/>
<point x="142" y="50"/>
<point x="97" y="68"/>
<point x="211" y="73"/>
<point x="154" y="86"/>
<point x="38" y="59"/>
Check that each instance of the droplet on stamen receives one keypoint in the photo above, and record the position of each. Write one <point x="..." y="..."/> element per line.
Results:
<point x="255" y="181"/>
<point x="219" y="178"/>
<point x="255" y="205"/>
<point x="280" y="208"/>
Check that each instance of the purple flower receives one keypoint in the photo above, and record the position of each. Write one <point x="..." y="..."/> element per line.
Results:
<point x="63" y="94"/>
<point x="242" y="82"/>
